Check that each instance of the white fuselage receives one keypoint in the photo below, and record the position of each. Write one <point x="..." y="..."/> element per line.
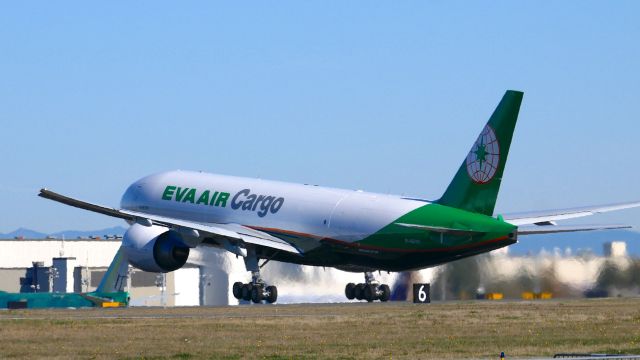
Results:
<point x="346" y="215"/>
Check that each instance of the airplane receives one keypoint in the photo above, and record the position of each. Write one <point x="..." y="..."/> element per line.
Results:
<point x="261" y="220"/>
<point x="109" y="293"/>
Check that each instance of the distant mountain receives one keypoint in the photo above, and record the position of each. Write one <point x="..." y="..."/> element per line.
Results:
<point x="26" y="233"/>
<point x="68" y="234"/>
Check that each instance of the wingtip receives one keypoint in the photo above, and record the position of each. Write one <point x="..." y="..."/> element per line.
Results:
<point x="46" y="193"/>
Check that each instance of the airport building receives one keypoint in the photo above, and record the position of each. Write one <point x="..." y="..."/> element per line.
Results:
<point x="78" y="265"/>
<point x="53" y="265"/>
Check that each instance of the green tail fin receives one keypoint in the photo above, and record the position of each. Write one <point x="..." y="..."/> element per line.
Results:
<point x="476" y="184"/>
<point x="114" y="280"/>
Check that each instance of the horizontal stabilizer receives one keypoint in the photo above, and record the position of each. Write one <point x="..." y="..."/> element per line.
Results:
<point x="550" y="229"/>
<point x="563" y="214"/>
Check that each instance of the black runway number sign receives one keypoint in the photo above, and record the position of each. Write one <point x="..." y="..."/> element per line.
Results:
<point x="421" y="293"/>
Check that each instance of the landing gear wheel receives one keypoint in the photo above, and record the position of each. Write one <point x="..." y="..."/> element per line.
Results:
<point x="256" y="290"/>
<point x="350" y="291"/>
<point x="273" y="294"/>
<point x="237" y="290"/>
<point x="246" y="292"/>
<point x="386" y="292"/>
<point x="256" y="294"/>
<point x="371" y="290"/>
<point x="370" y="293"/>
<point x="359" y="291"/>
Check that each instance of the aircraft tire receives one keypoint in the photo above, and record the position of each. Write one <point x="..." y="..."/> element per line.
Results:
<point x="386" y="292"/>
<point x="359" y="292"/>
<point x="350" y="291"/>
<point x="256" y="294"/>
<point x="370" y="293"/>
<point x="273" y="294"/>
<point x="246" y="292"/>
<point x="237" y="290"/>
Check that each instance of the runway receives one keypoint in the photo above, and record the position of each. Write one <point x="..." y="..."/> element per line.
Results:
<point x="204" y="312"/>
<point x="473" y="329"/>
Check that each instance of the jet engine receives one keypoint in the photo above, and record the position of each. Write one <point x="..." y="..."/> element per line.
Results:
<point x="154" y="248"/>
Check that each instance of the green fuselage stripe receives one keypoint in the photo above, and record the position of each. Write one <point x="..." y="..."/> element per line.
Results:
<point x="394" y="236"/>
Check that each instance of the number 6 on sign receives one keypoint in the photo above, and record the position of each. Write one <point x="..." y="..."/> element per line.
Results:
<point x="422" y="296"/>
<point x="421" y="293"/>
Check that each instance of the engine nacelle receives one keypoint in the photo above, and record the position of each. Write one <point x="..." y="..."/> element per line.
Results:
<point x="154" y="248"/>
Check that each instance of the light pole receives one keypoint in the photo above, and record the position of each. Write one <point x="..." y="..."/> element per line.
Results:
<point x="53" y="273"/>
<point x="161" y="282"/>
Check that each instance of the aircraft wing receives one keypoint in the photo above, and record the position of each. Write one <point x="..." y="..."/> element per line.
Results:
<point x="232" y="232"/>
<point x="547" y="217"/>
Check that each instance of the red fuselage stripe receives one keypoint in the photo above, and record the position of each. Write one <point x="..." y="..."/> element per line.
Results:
<point x="358" y="245"/>
<point x="447" y="249"/>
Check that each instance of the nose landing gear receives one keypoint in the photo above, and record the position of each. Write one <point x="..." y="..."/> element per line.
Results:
<point x="370" y="290"/>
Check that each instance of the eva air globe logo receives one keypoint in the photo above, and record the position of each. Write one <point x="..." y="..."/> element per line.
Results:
<point x="483" y="159"/>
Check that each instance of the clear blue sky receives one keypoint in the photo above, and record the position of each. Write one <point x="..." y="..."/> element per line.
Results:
<point x="380" y="96"/>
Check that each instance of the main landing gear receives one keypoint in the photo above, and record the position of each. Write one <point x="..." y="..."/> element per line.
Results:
<point x="371" y="290"/>
<point x="257" y="290"/>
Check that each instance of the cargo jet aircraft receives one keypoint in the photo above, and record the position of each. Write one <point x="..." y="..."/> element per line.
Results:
<point x="260" y="220"/>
